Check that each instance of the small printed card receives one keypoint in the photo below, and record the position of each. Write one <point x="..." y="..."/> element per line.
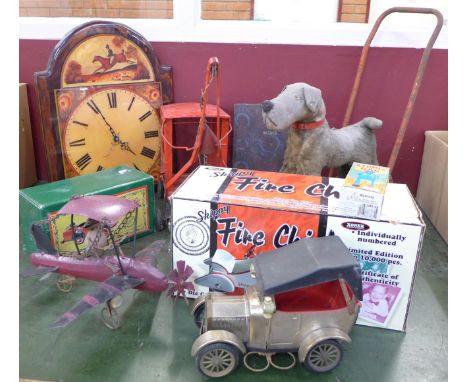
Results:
<point x="363" y="190"/>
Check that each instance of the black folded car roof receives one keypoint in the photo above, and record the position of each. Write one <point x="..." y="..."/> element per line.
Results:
<point x="307" y="262"/>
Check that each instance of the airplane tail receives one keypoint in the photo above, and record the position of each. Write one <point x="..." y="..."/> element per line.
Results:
<point x="42" y="240"/>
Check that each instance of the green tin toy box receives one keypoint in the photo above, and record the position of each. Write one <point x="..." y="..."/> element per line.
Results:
<point x="40" y="203"/>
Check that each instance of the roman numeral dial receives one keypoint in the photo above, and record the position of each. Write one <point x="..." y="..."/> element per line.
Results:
<point x="152" y="134"/>
<point x="84" y="161"/>
<point x="80" y="123"/>
<point x="112" y="127"/>
<point x="92" y="105"/>
<point x="144" y="116"/>
<point x="145" y="151"/>
<point x="78" y="142"/>
<point x="112" y="98"/>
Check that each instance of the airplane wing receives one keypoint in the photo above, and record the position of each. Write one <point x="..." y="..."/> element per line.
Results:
<point x="214" y="267"/>
<point x="37" y="271"/>
<point x="149" y="253"/>
<point x="225" y="259"/>
<point x="42" y="240"/>
<point x="216" y="281"/>
<point x="105" y="291"/>
<point x="225" y="283"/>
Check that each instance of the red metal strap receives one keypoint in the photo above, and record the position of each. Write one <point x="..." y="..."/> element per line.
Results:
<point x="211" y="73"/>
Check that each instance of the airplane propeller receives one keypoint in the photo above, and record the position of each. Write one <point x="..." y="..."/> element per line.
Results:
<point x="178" y="280"/>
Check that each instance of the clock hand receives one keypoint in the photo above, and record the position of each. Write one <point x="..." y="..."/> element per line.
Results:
<point x="125" y="146"/>
<point x="112" y="131"/>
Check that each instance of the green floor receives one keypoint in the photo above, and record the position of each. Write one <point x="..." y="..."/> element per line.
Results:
<point x="154" y="341"/>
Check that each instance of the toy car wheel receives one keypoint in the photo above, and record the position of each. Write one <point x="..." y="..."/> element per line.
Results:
<point x="217" y="360"/>
<point x="198" y="315"/>
<point x="324" y="356"/>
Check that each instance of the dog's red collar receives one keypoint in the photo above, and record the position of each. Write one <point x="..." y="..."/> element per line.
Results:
<point x="308" y="125"/>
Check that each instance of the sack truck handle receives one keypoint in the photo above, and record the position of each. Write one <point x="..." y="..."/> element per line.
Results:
<point x="417" y="81"/>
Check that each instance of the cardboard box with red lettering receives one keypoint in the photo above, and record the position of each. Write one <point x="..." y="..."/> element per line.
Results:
<point x="233" y="210"/>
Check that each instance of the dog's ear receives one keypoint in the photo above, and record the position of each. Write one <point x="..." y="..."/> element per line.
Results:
<point x="313" y="100"/>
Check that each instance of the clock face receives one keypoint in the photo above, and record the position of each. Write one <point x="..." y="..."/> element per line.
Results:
<point x="109" y="128"/>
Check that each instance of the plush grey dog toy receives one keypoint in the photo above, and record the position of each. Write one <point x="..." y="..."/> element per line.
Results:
<point x="312" y="144"/>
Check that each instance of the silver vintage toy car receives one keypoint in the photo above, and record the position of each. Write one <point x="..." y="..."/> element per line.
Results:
<point x="305" y="300"/>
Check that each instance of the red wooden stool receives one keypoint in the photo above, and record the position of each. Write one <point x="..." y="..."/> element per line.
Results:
<point x="179" y="114"/>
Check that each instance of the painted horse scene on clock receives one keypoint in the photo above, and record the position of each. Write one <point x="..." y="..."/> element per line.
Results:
<point x="106" y="59"/>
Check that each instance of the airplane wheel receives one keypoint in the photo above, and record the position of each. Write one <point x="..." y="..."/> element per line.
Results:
<point x="65" y="283"/>
<point x="116" y="302"/>
<point x="110" y="317"/>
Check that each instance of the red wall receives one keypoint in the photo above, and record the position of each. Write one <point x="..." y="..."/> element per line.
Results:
<point x="252" y="73"/>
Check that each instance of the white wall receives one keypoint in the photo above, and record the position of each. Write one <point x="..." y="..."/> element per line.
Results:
<point x="377" y="7"/>
<point x="310" y="11"/>
<point x="188" y="27"/>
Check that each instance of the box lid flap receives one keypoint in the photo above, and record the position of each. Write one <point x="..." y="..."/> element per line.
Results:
<point x="62" y="190"/>
<point x="309" y="194"/>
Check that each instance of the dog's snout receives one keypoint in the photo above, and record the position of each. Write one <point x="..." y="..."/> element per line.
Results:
<point x="267" y="106"/>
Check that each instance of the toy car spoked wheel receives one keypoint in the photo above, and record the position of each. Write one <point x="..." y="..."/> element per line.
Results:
<point x="218" y="359"/>
<point x="65" y="283"/>
<point x="324" y="356"/>
<point x="199" y="314"/>
<point x="110" y="317"/>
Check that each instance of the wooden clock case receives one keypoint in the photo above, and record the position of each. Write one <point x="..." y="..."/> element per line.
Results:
<point x="61" y="74"/>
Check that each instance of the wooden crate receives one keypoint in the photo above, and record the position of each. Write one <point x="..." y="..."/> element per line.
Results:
<point x="432" y="194"/>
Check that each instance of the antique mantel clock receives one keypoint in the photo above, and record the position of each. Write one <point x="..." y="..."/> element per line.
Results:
<point x="99" y="100"/>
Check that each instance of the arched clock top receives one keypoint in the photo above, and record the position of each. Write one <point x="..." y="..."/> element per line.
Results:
<point x="106" y="59"/>
<point x="83" y="44"/>
<point x="95" y="56"/>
